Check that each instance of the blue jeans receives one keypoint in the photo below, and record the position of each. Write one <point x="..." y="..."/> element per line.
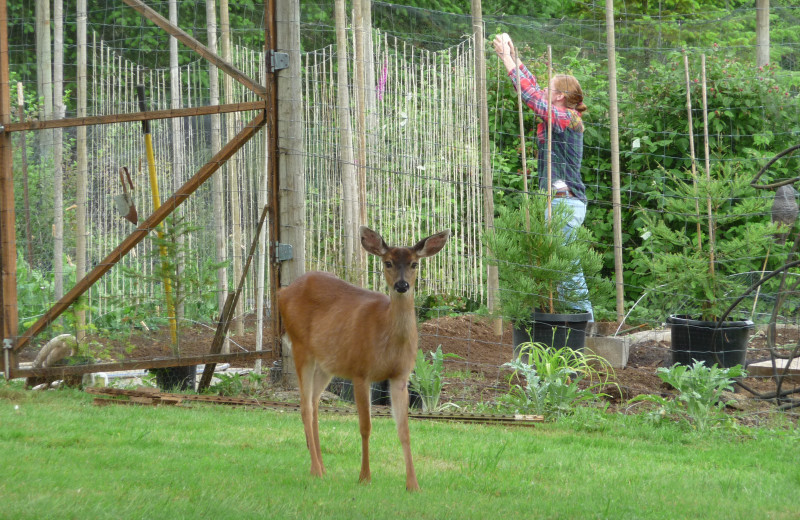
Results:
<point x="578" y="210"/>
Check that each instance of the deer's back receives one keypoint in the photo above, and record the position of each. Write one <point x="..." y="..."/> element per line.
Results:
<point x="343" y="327"/>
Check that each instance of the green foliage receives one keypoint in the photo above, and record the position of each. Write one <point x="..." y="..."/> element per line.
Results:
<point x="192" y="287"/>
<point x="438" y="305"/>
<point x="552" y="380"/>
<point x="536" y="264"/>
<point x="427" y="379"/>
<point x="251" y="384"/>
<point x="36" y="293"/>
<point x="699" y="392"/>
<point x="473" y="471"/>
<point x="698" y="273"/>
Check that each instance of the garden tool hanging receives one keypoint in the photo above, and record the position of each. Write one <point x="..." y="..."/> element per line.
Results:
<point x="124" y="202"/>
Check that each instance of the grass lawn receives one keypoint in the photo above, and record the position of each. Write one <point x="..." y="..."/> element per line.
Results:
<point x="62" y="457"/>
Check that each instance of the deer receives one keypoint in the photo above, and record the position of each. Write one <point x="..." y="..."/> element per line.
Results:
<point x="338" y="329"/>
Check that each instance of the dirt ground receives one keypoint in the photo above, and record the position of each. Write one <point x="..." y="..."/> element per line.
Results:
<point x="477" y="375"/>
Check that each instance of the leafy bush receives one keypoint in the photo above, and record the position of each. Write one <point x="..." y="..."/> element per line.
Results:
<point x="552" y="380"/>
<point x="437" y="305"/>
<point x="699" y="391"/>
<point x="236" y="384"/>
<point x="427" y="379"/>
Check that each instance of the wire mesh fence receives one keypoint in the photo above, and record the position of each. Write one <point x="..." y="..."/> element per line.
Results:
<point x="418" y="153"/>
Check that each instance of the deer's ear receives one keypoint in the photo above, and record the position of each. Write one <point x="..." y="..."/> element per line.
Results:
<point x="431" y="245"/>
<point x="372" y="242"/>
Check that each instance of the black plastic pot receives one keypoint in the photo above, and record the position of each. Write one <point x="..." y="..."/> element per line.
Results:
<point x="379" y="392"/>
<point x="552" y="330"/>
<point x="176" y="378"/>
<point x="722" y="343"/>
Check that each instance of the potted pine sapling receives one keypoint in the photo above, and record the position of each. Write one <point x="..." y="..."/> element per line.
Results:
<point x="168" y="250"/>
<point x="537" y="268"/>
<point x="704" y="235"/>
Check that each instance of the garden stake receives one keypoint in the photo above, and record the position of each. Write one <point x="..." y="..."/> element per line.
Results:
<point x="151" y="167"/>
<point x="522" y="140"/>
<point x="550" y="146"/>
<point x="691" y="146"/>
<point x="711" y="231"/>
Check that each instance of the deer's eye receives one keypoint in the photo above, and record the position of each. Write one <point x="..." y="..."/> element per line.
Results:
<point x="414" y="265"/>
<point x="388" y="265"/>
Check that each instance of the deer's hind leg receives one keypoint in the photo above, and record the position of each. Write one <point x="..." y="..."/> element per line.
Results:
<point x="321" y="380"/>
<point x="306" y="370"/>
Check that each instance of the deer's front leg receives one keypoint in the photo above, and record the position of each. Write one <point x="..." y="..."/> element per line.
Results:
<point x="361" y="392"/>
<point x="399" y="391"/>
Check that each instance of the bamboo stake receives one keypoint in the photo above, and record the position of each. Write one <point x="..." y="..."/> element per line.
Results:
<point x="82" y="164"/>
<point x="613" y="113"/>
<point x="522" y="139"/>
<point x="691" y="148"/>
<point x="550" y="137"/>
<point x="711" y="226"/>
<point x="550" y="149"/>
<point x="23" y="141"/>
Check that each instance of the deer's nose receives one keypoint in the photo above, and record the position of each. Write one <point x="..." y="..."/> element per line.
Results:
<point x="401" y="286"/>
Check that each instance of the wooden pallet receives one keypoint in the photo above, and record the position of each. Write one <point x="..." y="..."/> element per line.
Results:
<point x="144" y="396"/>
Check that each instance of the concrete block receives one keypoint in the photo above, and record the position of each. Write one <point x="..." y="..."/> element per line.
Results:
<point x="613" y="349"/>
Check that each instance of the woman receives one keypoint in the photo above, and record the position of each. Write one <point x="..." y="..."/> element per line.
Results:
<point x="567" y="140"/>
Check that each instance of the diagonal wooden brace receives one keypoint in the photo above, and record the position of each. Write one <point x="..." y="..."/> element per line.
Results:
<point x="227" y="311"/>
<point x="169" y="205"/>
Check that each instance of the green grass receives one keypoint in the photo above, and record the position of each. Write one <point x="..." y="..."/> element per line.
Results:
<point x="63" y="457"/>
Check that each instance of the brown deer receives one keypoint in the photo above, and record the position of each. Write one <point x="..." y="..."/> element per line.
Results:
<point x="338" y="329"/>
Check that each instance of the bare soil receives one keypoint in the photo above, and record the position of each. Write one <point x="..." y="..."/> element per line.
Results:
<point x="477" y="373"/>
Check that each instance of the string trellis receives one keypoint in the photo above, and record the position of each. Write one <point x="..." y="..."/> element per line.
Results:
<point x="422" y="160"/>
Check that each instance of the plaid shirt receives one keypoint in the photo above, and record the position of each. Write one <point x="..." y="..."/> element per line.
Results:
<point x="567" y="136"/>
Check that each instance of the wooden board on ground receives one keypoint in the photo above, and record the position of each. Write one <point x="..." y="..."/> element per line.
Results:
<point x="764" y="368"/>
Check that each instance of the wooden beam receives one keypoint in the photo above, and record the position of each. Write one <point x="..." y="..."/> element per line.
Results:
<point x="169" y="205"/>
<point x="230" y="306"/>
<point x="196" y="46"/>
<point x="8" y="240"/>
<point x="135" y="116"/>
<point x="138" y="365"/>
<point x="273" y="176"/>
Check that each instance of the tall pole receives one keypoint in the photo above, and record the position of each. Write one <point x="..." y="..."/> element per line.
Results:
<point x="8" y="240"/>
<point x="218" y="185"/>
<point x="762" y="33"/>
<point x="691" y="146"/>
<point x="711" y="225"/>
<point x="613" y="114"/>
<point x="82" y="163"/>
<point x="290" y="143"/>
<point x="493" y="283"/>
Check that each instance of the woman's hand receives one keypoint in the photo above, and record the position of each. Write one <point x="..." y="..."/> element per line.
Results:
<point x="503" y="46"/>
<point x="505" y="50"/>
